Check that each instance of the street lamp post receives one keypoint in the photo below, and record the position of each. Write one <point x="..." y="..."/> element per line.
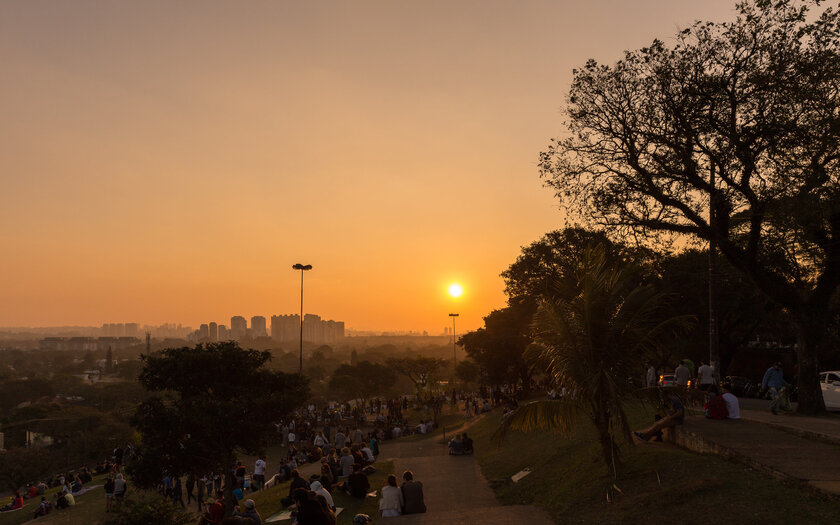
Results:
<point x="302" y="268"/>
<point x="454" y="359"/>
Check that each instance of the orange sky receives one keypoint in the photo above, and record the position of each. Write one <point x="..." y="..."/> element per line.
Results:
<point x="170" y="161"/>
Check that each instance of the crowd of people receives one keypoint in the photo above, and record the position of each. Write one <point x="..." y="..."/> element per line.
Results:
<point x="72" y="484"/>
<point x="343" y="438"/>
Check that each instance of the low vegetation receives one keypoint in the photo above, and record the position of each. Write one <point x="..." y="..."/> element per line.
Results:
<point x="659" y="484"/>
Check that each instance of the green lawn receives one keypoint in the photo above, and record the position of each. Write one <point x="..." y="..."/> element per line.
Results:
<point x="659" y="484"/>
<point x="89" y="509"/>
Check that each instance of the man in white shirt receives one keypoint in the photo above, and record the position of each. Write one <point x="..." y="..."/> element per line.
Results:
<point x="259" y="473"/>
<point x="705" y="376"/>
<point x="368" y="453"/>
<point x="682" y="375"/>
<point x="732" y="404"/>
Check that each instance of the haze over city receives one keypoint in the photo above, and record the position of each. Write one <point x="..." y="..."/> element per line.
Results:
<point x="170" y="162"/>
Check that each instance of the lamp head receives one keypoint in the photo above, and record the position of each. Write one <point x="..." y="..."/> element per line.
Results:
<point x="453" y="315"/>
<point x="300" y="266"/>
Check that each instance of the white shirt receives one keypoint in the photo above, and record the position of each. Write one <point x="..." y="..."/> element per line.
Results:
<point x="392" y="498"/>
<point x="732" y="406"/>
<point x="368" y="454"/>
<point x="706" y="374"/>
<point x="259" y="467"/>
<point x="292" y="437"/>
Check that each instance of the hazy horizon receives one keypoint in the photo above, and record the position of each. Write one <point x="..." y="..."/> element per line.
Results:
<point x="170" y="162"/>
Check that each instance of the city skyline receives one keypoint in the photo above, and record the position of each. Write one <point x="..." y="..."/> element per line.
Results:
<point x="391" y="146"/>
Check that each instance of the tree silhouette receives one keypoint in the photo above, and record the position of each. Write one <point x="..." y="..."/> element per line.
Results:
<point x="216" y="400"/>
<point x="740" y="118"/>
<point x="589" y="337"/>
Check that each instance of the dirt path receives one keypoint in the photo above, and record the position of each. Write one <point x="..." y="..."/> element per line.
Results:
<point x="455" y="491"/>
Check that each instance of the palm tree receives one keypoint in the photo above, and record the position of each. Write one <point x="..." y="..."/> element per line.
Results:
<point x="590" y="336"/>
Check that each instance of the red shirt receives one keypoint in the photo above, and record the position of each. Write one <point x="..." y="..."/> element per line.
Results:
<point x="17" y="503"/>
<point x="217" y="513"/>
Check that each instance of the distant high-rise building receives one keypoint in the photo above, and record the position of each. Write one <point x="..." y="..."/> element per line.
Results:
<point x="203" y="332"/>
<point x="238" y="327"/>
<point x="224" y="333"/>
<point x="131" y="330"/>
<point x="258" y="326"/>
<point x="285" y="328"/>
<point x="313" y="330"/>
<point x="214" y="332"/>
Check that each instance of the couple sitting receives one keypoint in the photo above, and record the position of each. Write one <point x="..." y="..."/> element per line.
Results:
<point x="460" y="445"/>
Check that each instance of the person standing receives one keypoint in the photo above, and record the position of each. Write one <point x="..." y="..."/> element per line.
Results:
<point x="412" y="492"/>
<point x="773" y="381"/>
<point x="705" y="376"/>
<point x="201" y="490"/>
<point x="177" y="493"/>
<point x="259" y="473"/>
<point x="682" y="375"/>
<point x="190" y="487"/>
<point x="109" y="494"/>
<point x="120" y="487"/>
<point x="650" y="377"/>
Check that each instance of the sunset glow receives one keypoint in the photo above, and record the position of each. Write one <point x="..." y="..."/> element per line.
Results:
<point x="455" y="290"/>
<point x="170" y="164"/>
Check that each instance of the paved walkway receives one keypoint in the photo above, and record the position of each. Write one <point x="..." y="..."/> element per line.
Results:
<point x="786" y="446"/>
<point x="454" y="489"/>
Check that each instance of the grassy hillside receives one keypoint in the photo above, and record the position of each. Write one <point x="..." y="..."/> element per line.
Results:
<point x="660" y="483"/>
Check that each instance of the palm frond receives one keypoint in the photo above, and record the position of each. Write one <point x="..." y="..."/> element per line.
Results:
<point x="557" y="416"/>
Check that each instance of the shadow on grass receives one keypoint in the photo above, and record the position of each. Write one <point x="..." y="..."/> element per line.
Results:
<point x="658" y="483"/>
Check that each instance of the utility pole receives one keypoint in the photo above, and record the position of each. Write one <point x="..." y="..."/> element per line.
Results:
<point x="302" y="268"/>
<point x="714" y="336"/>
<point x="454" y="359"/>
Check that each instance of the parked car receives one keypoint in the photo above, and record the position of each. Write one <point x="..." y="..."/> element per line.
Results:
<point x="667" y="380"/>
<point x="830" y="385"/>
<point x="741" y="386"/>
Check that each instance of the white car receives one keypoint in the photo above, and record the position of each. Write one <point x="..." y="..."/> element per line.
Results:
<point x="830" y="384"/>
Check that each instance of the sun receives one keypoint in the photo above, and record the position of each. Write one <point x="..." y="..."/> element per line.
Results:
<point x="455" y="290"/>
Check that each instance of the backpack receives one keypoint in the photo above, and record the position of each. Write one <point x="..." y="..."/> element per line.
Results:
<point x="716" y="408"/>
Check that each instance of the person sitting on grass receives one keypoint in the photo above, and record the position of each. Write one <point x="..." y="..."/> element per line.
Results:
<point x="43" y="508"/>
<point x="346" y="462"/>
<point x="248" y="511"/>
<point x="16" y="503"/>
<point x="357" y="484"/>
<point x="676" y="415"/>
<point x="297" y="483"/>
<point x="312" y="508"/>
<point x="317" y="487"/>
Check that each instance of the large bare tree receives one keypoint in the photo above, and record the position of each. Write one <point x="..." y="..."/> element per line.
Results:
<point x="741" y="118"/>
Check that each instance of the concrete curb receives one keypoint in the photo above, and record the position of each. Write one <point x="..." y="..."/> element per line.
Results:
<point x="801" y="432"/>
<point x="695" y="442"/>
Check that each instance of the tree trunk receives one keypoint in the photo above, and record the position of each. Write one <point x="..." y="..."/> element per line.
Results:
<point x="227" y="487"/>
<point x="609" y="450"/>
<point x="811" y="335"/>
